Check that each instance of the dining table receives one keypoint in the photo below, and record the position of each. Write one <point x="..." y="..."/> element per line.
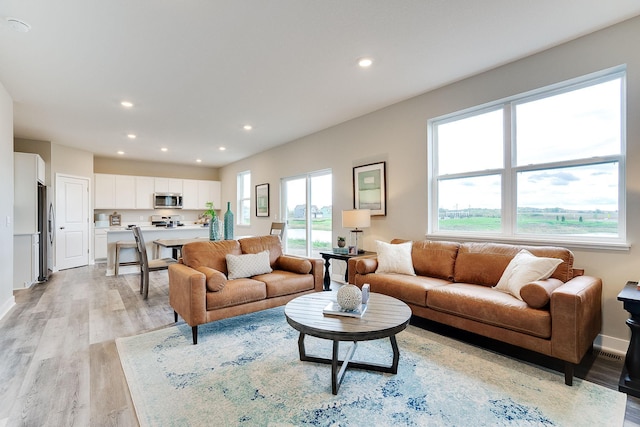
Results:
<point x="175" y="245"/>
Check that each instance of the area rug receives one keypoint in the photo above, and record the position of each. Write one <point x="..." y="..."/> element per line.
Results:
<point x="246" y="371"/>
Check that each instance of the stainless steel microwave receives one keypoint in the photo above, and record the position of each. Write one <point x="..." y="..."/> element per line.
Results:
<point x="167" y="200"/>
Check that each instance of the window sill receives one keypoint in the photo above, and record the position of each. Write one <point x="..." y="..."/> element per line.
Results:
<point x="556" y="241"/>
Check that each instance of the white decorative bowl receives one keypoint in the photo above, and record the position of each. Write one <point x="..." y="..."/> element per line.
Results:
<point x="349" y="297"/>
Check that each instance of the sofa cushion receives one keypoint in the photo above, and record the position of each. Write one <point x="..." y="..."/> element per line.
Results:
<point x="215" y="279"/>
<point x="525" y="268"/>
<point x="538" y="294"/>
<point x="280" y="282"/>
<point x="486" y="305"/>
<point x="410" y="289"/>
<point x="236" y="292"/>
<point x="253" y="245"/>
<point x="394" y="258"/>
<point x="294" y="264"/>
<point x="209" y="254"/>
<point x="484" y="263"/>
<point x="434" y="258"/>
<point x="248" y="265"/>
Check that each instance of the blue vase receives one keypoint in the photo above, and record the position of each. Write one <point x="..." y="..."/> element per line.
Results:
<point x="228" y="223"/>
<point x="214" y="228"/>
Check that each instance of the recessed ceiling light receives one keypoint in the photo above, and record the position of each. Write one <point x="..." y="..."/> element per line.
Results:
<point x="131" y="136"/>
<point x="199" y="160"/>
<point x="222" y="148"/>
<point x="164" y="149"/>
<point x="247" y="127"/>
<point x="126" y="104"/>
<point x="365" y="62"/>
<point x="121" y="152"/>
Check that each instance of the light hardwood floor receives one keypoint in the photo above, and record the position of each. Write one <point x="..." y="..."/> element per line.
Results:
<point x="60" y="367"/>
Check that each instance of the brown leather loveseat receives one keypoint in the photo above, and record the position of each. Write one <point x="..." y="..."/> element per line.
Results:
<point x="454" y="285"/>
<point x="204" y="288"/>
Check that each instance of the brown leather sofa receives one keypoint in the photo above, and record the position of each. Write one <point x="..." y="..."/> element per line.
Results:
<point x="454" y="286"/>
<point x="200" y="291"/>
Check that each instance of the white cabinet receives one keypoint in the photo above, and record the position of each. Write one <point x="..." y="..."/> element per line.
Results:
<point x="40" y="170"/>
<point x="190" y="194"/>
<point x="25" y="260"/>
<point x="125" y="192"/>
<point x="168" y="185"/>
<point x="25" y="198"/>
<point x="144" y="192"/>
<point x="209" y="191"/>
<point x="100" y="244"/>
<point x="104" y="193"/>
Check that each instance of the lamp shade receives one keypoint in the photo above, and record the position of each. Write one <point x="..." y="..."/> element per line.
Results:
<point x="356" y="218"/>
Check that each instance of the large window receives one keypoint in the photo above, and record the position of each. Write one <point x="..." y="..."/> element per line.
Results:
<point x="244" y="198"/>
<point x="542" y="166"/>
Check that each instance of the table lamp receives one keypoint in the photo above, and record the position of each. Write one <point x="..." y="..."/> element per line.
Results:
<point x="356" y="219"/>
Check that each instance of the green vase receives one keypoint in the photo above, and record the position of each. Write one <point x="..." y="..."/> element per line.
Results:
<point x="214" y="228"/>
<point x="228" y="223"/>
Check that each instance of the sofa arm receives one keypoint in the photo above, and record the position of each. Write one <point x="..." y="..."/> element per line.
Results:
<point x="361" y="265"/>
<point x="187" y="294"/>
<point x="576" y="317"/>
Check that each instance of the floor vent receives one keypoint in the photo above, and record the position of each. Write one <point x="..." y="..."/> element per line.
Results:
<point x="605" y="354"/>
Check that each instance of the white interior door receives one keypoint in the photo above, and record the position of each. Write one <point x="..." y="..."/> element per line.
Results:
<point x="72" y="222"/>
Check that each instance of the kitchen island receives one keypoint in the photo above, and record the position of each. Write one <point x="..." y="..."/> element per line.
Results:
<point x="149" y="233"/>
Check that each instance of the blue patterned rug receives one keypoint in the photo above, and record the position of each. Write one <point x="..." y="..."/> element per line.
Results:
<point x="245" y="371"/>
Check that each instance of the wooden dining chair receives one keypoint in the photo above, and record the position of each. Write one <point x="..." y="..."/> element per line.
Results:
<point x="277" y="228"/>
<point x="147" y="265"/>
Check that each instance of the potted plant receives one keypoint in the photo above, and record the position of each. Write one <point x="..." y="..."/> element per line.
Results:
<point x="341" y="242"/>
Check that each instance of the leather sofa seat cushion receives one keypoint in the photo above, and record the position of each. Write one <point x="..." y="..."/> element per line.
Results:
<point x="209" y="254"/>
<point x="280" y="282"/>
<point x="254" y="245"/>
<point x="236" y="292"/>
<point x="490" y="306"/>
<point x="410" y="289"/>
<point x="484" y="263"/>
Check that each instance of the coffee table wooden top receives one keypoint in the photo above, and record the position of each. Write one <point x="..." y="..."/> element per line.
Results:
<point x="385" y="316"/>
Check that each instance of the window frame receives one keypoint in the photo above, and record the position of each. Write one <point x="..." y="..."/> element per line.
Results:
<point x="241" y="197"/>
<point x="509" y="171"/>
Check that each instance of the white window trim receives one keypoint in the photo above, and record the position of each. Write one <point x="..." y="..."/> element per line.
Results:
<point x="509" y="172"/>
<point x="242" y="197"/>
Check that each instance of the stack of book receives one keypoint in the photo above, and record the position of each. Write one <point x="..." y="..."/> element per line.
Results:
<point x="333" y="309"/>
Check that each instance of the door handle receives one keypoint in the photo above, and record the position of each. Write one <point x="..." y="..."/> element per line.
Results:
<point x="61" y="228"/>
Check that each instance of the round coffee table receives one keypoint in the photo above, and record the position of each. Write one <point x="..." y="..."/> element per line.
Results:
<point x="384" y="317"/>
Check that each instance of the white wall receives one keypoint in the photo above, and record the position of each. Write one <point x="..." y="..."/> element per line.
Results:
<point x="398" y="135"/>
<point x="6" y="209"/>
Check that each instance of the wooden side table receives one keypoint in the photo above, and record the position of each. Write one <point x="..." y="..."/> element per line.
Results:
<point x="327" y="256"/>
<point x="630" y="377"/>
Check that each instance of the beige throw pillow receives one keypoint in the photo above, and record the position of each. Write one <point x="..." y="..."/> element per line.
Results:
<point x="395" y="258"/>
<point x="248" y="265"/>
<point x="523" y="269"/>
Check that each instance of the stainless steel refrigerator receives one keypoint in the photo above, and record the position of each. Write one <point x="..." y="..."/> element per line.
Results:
<point x="46" y="226"/>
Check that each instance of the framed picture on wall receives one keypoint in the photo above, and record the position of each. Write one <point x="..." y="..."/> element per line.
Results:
<point x="262" y="200"/>
<point x="370" y="188"/>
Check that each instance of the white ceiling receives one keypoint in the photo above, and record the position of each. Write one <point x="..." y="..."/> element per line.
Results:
<point x="198" y="70"/>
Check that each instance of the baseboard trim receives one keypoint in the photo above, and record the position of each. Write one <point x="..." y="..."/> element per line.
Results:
<point x="8" y="305"/>
<point x="612" y="345"/>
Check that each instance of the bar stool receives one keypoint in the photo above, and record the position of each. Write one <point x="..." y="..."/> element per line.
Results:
<point x="125" y="244"/>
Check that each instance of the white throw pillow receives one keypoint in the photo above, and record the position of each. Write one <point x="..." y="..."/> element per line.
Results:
<point x="248" y="265"/>
<point x="395" y="258"/>
<point x="523" y="269"/>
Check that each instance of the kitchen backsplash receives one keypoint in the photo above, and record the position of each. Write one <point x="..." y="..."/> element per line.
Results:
<point x="143" y="217"/>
